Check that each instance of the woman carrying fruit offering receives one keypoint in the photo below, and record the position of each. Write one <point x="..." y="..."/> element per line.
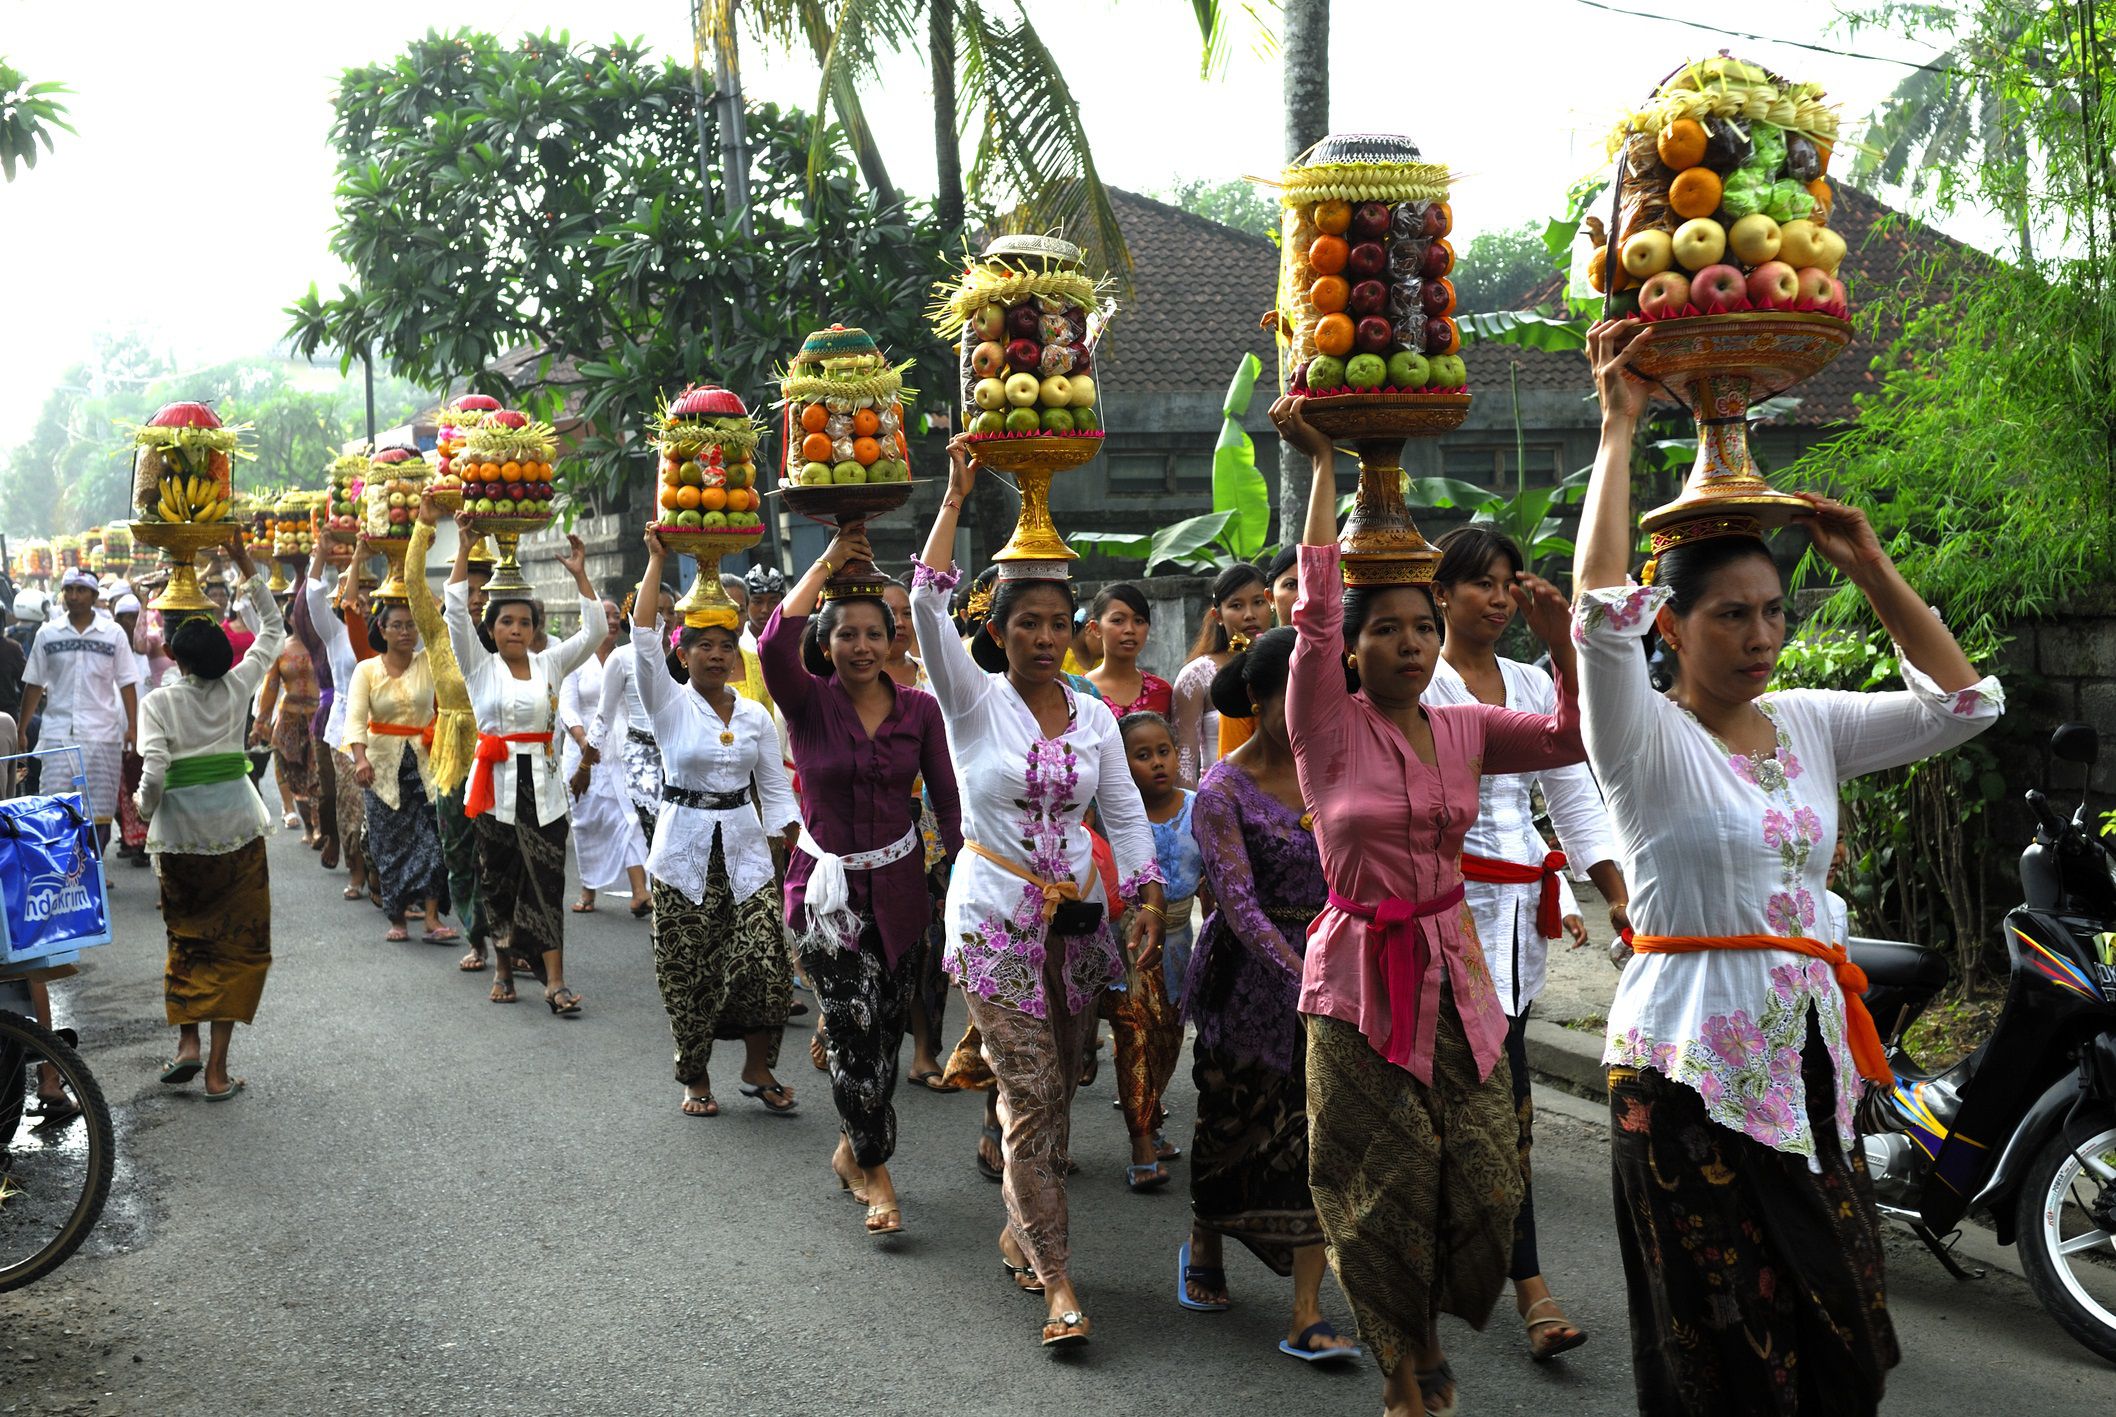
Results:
<point x="389" y="725"/>
<point x="455" y="740"/>
<point x="856" y="882"/>
<point x="1412" y="1135"/>
<point x="333" y="627"/>
<point x="1028" y="935"/>
<point x="719" y="936"/>
<point x="516" y="796"/>
<point x="1240" y="611"/>
<point x="1737" y="1040"/>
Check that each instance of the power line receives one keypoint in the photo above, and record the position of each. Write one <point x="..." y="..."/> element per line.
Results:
<point x="1767" y="39"/>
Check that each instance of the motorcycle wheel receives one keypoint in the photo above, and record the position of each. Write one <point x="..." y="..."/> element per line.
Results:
<point x="2069" y="1260"/>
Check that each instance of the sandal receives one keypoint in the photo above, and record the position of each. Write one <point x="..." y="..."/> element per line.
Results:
<point x="930" y="1079"/>
<point x="181" y="1071"/>
<point x="642" y="909"/>
<point x="857" y="1192"/>
<point x="235" y="1085"/>
<point x="563" y="1001"/>
<point x="396" y="934"/>
<point x="352" y="893"/>
<point x="440" y="935"/>
<point x="54" y="1111"/>
<point x="1431" y="1385"/>
<point x="1023" y="1275"/>
<point x="1067" y="1330"/>
<point x="885" y="1219"/>
<point x="1093" y="1065"/>
<point x="503" y="991"/>
<point x="329" y="848"/>
<point x="1542" y="1346"/>
<point x="1147" y="1176"/>
<point x="759" y="1091"/>
<point x="582" y="907"/>
<point x="985" y="1168"/>
<point x="1205" y="1276"/>
<point x="1311" y="1348"/>
<point x="1164" y="1149"/>
<point x="473" y="962"/>
<point x="706" y="1107"/>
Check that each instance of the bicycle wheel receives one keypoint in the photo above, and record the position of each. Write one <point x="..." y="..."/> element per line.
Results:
<point x="56" y="1158"/>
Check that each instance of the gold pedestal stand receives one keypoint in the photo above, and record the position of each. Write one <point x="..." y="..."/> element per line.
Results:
<point x="392" y="549"/>
<point x="1034" y="461"/>
<point x="181" y="543"/>
<point x="706" y="595"/>
<point x="1380" y="542"/>
<point x="506" y="534"/>
<point x="1716" y="366"/>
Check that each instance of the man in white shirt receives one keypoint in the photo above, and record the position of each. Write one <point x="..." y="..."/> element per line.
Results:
<point x="82" y="674"/>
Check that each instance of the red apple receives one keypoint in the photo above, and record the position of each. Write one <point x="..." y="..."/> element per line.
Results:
<point x="1719" y="289"/>
<point x="1081" y="362"/>
<point x="1368" y="297"/>
<point x="1439" y="333"/>
<point x="988" y="359"/>
<point x="1814" y="286"/>
<point x="1367" y="261"/>
<point x="1025" y="320"/>
<point x="1370" y="221"/>
<point x="1373" y="335"/>
<point x="1773" y="285"/>
<point x="1024" y="356"/>
<point x="1836" y="293"/>
<point x="1438" y="297"/>
<point x="1439" y="260"/>
<point x="1439" y="220"/>
<point x="1665" y="294"/>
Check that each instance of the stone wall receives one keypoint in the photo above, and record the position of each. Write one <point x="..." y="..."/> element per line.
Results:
<point x="2063" y="670"/>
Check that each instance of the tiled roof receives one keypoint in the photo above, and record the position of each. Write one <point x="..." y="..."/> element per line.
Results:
<point x="1887" y="251"/>
<point x="1198" y="289"/>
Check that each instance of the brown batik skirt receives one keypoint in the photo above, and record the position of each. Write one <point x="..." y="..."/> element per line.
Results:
<point x="218" y="912"/>
<point x="1416" y="1186"/>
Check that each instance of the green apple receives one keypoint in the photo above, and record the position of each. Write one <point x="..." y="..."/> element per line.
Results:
<point x="888" y="470"/>
<point x="1366" y="371"/>
<point x="483" y="506"/>
<point x="989" y="393"/>
<point x="1023" y="390"/>
<point x="1326" y="371"/>
<point x="990" y="421"/>
<point x="503" y="507"/>
<point x="710" y="521"/>
<point x="1449" y="372"/>
<point x="691" y="519"/>
<point x="1057" y="420"/>
<point x="1082" y="393"/>
<point x="846" y="472"/>
<point x="814" y="472"/>
<point x="1023" y="420"/>
<point x="1408" y="369"/>
<point x="1086" y="420"/>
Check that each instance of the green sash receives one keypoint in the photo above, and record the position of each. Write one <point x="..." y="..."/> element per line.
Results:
<point x="204" y="768"/>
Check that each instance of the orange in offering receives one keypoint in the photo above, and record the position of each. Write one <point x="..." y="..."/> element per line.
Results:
<point x="687" y="497"/>
<point x="816" y="448"/>
<point x="672" y="497"/>
<point x="1694" y="193"/>
<point x="1597" y="269"/>
<point x="1333" y="334"/>
<point x="741" y="500"/>
<point x="1327" y="255"/>
<point x="1333" y="218"/>
<point x="1330" y="294"/>
<point x="814" y="418"/>
<point x="510" y="472"/>
<point x="711" y="499"/>
<point x="866" y="451"/>
<point x="1682" y="143"/>
<point x="1824" y="198"/>
<point x="865" y="423"/>
<point x="489" y="472"/>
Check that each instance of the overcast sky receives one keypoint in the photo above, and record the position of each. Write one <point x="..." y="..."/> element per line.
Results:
<point x="196" y="200"/>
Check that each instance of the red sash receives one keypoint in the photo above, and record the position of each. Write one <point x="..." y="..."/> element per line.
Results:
<point x="492" y="748"/>
<point x="1486" y="871"/>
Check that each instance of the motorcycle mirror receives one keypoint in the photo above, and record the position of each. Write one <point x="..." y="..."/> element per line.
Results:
<point x="2076" y="743"/>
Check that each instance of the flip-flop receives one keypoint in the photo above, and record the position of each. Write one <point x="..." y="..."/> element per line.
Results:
<point x="54" y="1112"/>
<point x="444" y="935"/>
<point x="985" y="1168"/>
<point x="352" y="893"/>
<point x="234" y="1087"/>
<point x="1305" y="1347"/>
<point x="578" y="909"/>
<point x="711" y="1108"/>
<point x="1210" y="1276"/>
<point x="182" y="1071"/>
<point x="396" y="935"/>
<point x="931" y="1081"/>
<point x="892" y="1217"/>
<point x="473" y="963"/>
<point x="1148" y="1176"/>
<point x="1068" y="1330"/>
<point x="778" y="1109"/>
<point x="1431" y="1385"/>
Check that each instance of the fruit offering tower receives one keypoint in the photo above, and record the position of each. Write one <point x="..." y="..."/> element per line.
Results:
<point x="505" y="467"/>
<point x="37" y="560"/>
<point x="1366" y="302"/>
<point x="847" y="458"/>
<point x="709" y="495"/>
<point x="117" y="548"/>
<point x="457" y="421"/>
<point x="1026" y="318"/>
<point x="182" y="488"/>
<point x="396" y="479"/>
<point x="344" y="489"/>
<point x="1719" y="238"/>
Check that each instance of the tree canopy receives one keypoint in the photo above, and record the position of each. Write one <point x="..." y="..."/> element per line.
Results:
<point x="29" y="114"/>
<point x="543" y="195"/>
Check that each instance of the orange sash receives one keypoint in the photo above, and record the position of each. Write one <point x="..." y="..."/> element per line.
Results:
<point x="1866" y="1050"/>
<point x="405" y="730"/>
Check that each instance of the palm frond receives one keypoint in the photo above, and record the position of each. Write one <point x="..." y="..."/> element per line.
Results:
<point x="862" y="30"/>
<point x="1216" y="34"/>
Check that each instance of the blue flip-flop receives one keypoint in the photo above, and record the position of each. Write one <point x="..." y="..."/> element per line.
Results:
<point x="1208" y="1275"/>
<point x="1305" y="1347"/>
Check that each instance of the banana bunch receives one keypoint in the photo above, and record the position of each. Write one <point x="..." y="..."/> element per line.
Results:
<point x="188" y="497"/>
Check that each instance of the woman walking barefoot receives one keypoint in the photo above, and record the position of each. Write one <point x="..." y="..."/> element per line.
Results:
<point x="1249" y="1154"/>
<point x="1413" y="1156"/>
<point x="606" y="835"/>
<point x="856" y="882"/>
<point x="719" y="936"/>
<point x="387" y="724"/>
<point x="516" y="798"/>
<point x="1752" y="1254"/>
<point x="206" y="829"/>
<point x="1027" y="937"/>
<point x="1241" y="610"/>
<point x="1516" y="887"/>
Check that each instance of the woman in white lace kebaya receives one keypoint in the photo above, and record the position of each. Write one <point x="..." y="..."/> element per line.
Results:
<point x="1737" y="1040"/>
<point x="1029" y="924"/>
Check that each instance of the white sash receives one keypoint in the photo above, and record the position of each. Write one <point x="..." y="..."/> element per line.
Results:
<point x="828" y="894"/>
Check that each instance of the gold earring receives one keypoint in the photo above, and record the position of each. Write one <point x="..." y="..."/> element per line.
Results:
<point x="1351" y="660"/>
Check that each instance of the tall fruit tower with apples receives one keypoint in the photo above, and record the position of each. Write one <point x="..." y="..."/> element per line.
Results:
<point x="396" y="480"/>
<point x="709" y="498"/>
<point x="182" y="486"/>
<point x="506" y="462"/>
<point x="1366" y="327"/>
<point x="1026" y="318"/>
<point x="840" y="395"/>
<point x="1719" y="239"/>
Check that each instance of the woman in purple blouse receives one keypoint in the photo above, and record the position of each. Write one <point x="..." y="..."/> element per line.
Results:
<point x="856" y="886"/>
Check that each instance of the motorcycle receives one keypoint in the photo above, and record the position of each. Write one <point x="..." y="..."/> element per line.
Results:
<point x="2022" y="1131"/>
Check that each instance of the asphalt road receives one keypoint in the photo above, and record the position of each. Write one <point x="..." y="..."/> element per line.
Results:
<point x="426" y="1203"/>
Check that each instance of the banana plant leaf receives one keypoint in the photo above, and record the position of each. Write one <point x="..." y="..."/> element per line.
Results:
<point x="1238" y="489"/>
<point x="1531" y="329"/>
<point x="1187" y="542"/>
